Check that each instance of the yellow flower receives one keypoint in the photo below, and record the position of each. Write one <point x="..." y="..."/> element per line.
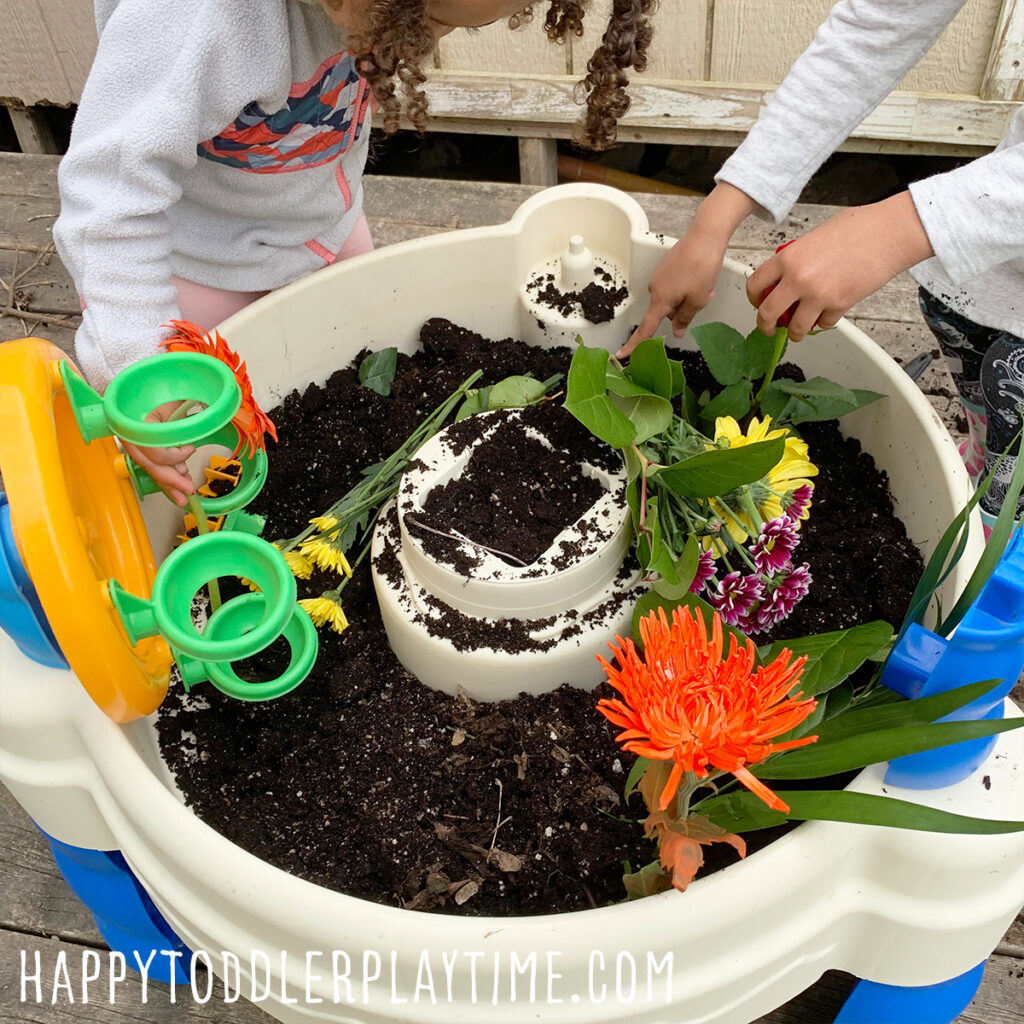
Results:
<point x="301" y="567"/>
<point x="793" y="470"/>
<point x="325" y="611"/>
<point x="324" y="523"/>
<point x="325" y="555"/>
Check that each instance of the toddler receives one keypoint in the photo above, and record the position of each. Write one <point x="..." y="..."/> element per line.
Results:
<point x="961" y="234"/>
<point x="219" y="147"/>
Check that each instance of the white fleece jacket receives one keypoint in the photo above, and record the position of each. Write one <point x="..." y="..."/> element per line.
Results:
<point x="219" y="140"/>
<point x="974" y="215"/>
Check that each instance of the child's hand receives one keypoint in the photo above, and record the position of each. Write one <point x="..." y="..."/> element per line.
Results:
<point x="683" y="283"/>
<point x="165" y="465"/>
<point x="837" y="264"/>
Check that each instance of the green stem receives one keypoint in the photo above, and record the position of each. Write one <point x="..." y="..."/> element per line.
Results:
<point x="182" y="411"/>
<point x="196" y="508"/>
<point x="780" y="344"/>
<point x="751" y="508"/>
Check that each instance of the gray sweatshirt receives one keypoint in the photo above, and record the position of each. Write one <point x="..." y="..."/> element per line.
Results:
<point x="974" y="215"/>
<point x="219" y="140"/>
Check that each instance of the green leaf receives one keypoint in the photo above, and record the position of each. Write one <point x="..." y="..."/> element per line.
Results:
<point x="633" y="465"/>
<point x="745" y="812"/>
<point x="678" y="377"/>
<point x="832" y="657"/>
<point x="1005" y="523"/>
<point x="733" y="401"/>
<point x="723" y="349"/>
<point x="476" y="401"/>
<point x="689" y="408"/>
<point x="947" y="554"/>
<point x="814" y="400"/>
<point x="648" y="413"/>
<point x="758" y="350"/>
<point x="639" y="767"/>
<point x="651" y="551"/>
<point x="377" y="370"/>
<point x="516" y="393"/>
<point x="587" y="401"/>
<point x="649" y="367"/>
<point x="648" y="881"/>
<point x="715" y="473"/>
<point x="685" y="571"/>
<point x="858" y="721"/>
<point x="850" y="752"/>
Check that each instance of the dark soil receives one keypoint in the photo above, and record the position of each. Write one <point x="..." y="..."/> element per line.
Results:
<point x="597" y="302"/>
<point x="364" y="781"/>
<point x="516" y="493"/>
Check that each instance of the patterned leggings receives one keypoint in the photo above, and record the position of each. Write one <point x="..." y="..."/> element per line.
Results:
<point x="988" y="368"/>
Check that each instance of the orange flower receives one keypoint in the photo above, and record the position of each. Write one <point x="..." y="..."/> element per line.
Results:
<point x="686" y="703"/>
<point x="250" y="420"/>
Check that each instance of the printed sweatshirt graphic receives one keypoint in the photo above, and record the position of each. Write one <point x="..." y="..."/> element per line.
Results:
<point x="222" y="141"/>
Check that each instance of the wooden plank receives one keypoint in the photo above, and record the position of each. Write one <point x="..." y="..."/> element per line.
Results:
<point x="1004" y="74"/>
<point x="496" y="46"/>
<point x="34" y="898"/>
<point x="48" y="48"/>
<point x="660" y="107"/>
<point x="538" y="161"/>
<point x="677" y="49"/>
<point x="32" y="129"/>
<point x="955" y="64"/>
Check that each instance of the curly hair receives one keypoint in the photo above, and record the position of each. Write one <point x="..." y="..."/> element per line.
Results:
<point x="396" y="42"/>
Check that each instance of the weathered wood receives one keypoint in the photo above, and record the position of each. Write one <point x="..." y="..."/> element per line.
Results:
<point x="32" y="129"/>
<point x="48" y="48"/>
<point x="658" y="107"/>
<point x="1004" y="76"/>
<point x="34" y="898"/>
<point x="538" y="161"/>
<point x="955" y="64"/>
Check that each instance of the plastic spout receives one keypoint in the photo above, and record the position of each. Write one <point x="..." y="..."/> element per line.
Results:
<point x="577" y="266"/>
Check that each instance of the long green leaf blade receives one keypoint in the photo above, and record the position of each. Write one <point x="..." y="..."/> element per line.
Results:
<point x="714" y="473"/>
<point x="907" y="712"/>
<point x="852" y="752"/>
<point x="744" y="812"/>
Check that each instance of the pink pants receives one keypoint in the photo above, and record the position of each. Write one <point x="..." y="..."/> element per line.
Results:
<point x="206" y="307"/>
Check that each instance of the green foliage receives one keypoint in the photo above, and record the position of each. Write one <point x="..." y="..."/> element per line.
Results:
<point x="809" y="401"/>
<point x="587" y="398"/>
<point x="718" y="472"/>
<point x="833" y="657"/>
<point x="377" y="370"/>
<point x="745" y="812"/>
<point x="511" y="393"/>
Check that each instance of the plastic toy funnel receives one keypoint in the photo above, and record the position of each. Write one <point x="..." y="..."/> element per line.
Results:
<point x="144" y="386"/>
<point x="186" y="571"/>
<point x="236" y="618"/>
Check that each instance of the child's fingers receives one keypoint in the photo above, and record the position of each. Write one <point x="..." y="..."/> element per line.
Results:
<point x="775" y="304"/>
<point x="656" y="312"/>
<point x="829" y="318"/>
<point x="168" y="456"/>
<point x="762" y="281"/>
<point x="171" y="476"/>
<point x="803" y="321"/>
<point x="687" y="310"/>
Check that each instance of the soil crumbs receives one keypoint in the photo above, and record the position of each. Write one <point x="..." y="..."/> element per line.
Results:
<point x="364" y="781"/>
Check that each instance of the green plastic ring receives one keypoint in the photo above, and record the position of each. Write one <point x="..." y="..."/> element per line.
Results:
<point x="240" y="614"/>
<point x="191" y="566"/>
<point x="250" y="482"/>
<point x="175" y="377"/>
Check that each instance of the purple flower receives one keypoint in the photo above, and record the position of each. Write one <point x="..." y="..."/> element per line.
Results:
<point x="798" y="502"/>
<point x="705" y="570"/>
<point x="735" y="597"/>
<point x="787" y="592"/>
<point x="775" y="544"/>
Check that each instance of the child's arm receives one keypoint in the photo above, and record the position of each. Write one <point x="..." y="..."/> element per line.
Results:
<point x="858" y="55"/>
<point x="167" y="74"/>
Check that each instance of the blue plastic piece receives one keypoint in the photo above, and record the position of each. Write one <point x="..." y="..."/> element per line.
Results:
<point x="871" y="1003"/>
<point x="21" y="615"/>
<point x="988" y="644"/>
<point x="125" y="915"/>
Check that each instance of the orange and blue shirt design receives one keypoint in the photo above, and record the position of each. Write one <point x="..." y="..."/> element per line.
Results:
<point x="322" y="118"/>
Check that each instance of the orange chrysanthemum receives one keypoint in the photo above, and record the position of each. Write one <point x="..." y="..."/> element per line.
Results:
<point x="250" y="420"/>
<point x="684" y="702"/>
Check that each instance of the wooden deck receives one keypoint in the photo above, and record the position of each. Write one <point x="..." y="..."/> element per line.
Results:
<point x="37" y="910"/>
